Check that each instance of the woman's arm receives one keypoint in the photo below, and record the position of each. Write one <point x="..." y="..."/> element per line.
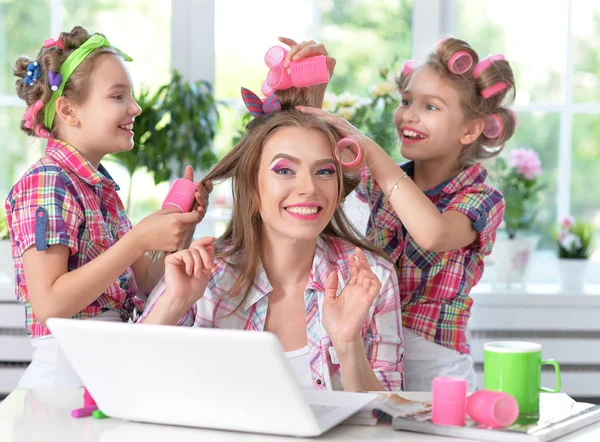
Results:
<point x="187" y="273"/>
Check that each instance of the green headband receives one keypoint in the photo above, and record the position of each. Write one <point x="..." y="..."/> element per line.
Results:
<point x="68" y="67"/>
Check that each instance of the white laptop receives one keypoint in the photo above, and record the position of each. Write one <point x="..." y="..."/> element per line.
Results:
<point x="209" y="378"/>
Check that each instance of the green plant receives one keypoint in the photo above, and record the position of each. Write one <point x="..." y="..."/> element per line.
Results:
<point x="3" y="226"/>
<point x="574" y="238"/>
<point x="177" y="127"/>
<point x="373" y="115"/>
<point x="518" y="180"/>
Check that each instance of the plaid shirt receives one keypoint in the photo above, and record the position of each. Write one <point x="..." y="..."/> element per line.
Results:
<point x="435" y="287"/>
<point x="63" y="199"/>
<point x="382" y="332"/>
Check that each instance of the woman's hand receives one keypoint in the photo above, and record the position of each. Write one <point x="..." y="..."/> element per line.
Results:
<point x="344" y="316"/>
<point x="188" y="271"/>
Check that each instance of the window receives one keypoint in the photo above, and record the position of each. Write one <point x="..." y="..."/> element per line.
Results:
<point x="557" y="68"/>
<point x="23" y="28"/>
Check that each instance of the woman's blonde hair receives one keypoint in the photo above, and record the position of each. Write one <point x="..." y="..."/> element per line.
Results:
<point x="241" y="165"/>
<point x="469" y="89"/>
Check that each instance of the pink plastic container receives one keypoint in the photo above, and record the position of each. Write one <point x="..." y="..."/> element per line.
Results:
<point x="181" y="195"/>
<point x="449" y="406"/>
<point x="493" y="409"/>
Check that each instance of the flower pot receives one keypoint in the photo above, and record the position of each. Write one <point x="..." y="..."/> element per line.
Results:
<point x="511" y="257"/>
<point x="572" y="273"/>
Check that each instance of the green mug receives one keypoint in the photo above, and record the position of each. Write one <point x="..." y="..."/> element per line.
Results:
<point x="515" y="367"/>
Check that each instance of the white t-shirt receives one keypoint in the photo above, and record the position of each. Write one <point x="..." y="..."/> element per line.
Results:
<point x="300" y="362"/>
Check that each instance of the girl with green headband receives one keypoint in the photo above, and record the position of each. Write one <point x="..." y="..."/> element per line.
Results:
<point x="74" y="248"/>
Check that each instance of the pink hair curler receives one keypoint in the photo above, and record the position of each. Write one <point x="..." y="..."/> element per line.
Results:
<point x="181" y="195"/>
<point x="486" y="63"/>
<point x="348" y="142"/>
<point x="409" y="66"/>
<point x="449" y="406"/>
<point x="494" y="89"/>
<point x="302" y="73"/>
<point x="275" y="56"/>
<point x="492" y="126"/>
<point x="54" y="41"/>
<point x="494" y="409"/>
<point x="460" y="62"/>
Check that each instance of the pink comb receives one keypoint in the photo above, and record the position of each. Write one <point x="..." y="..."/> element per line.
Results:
<point x="302" y="73"/>
<point x="181" y="195"/>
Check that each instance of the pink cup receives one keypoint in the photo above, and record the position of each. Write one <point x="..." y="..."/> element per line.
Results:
<point x="181" y="195"/>
<point x="449" y="406"/>
<point x="493" y="409"/>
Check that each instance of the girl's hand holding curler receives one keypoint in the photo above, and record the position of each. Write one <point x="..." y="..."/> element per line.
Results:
<point x="187" y="272"/>
<point x="345" y="315"/>
<point x="305" y="49"/>
<point x="164" y="230"/>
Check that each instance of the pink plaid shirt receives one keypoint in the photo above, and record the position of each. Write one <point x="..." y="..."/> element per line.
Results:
<point x="435" y="287"/>
<point x="382" y="332"/>
<point x="63" y="199"/>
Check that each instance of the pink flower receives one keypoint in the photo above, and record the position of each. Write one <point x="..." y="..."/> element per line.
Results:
<point x="527" y="163"/>
<point x="567" y="222"/>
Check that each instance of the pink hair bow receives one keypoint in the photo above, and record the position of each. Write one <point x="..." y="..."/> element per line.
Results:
<point x="31" y="116"/>
<point x="302" y="73"/>
<point x="258" y="107"/>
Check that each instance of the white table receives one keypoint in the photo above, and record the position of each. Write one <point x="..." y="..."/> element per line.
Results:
<point x="44" y="416"/>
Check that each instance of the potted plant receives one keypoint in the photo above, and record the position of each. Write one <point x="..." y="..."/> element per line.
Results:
<point x="574" y="241"/>
<point x="177" y="127"/>
<point x="519" y="181"/>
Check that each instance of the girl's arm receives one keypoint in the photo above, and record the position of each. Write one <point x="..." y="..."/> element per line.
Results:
<point x="147" y="272"/>
<point x="433" y="231"/>
<point x="54" y="291"/>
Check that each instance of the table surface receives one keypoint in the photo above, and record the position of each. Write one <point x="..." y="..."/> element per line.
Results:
<point x="44" y="415"/>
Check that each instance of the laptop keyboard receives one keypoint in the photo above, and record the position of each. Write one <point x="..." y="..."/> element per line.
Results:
<point x="322" y="410"/>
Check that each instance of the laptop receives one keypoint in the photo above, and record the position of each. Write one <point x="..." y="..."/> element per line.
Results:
<point x="198" y="377"/>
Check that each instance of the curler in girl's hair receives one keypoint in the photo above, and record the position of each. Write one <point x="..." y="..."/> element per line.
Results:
<point x="409" y="66"/>
<point x="492" y="126"/>
<point x="460" y="62"/>
<point x="494" y="89"/>
<point x="348" y="142"/>
<point x="486" y="63"/>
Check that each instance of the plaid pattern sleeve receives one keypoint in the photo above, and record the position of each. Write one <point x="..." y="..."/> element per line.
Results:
<point x="384" y="345"/>
<point x="42" y="204"/>
<point x="484" y="206"/>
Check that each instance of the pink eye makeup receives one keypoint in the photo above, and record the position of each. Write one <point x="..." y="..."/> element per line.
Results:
<point x="278" y="166"/>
